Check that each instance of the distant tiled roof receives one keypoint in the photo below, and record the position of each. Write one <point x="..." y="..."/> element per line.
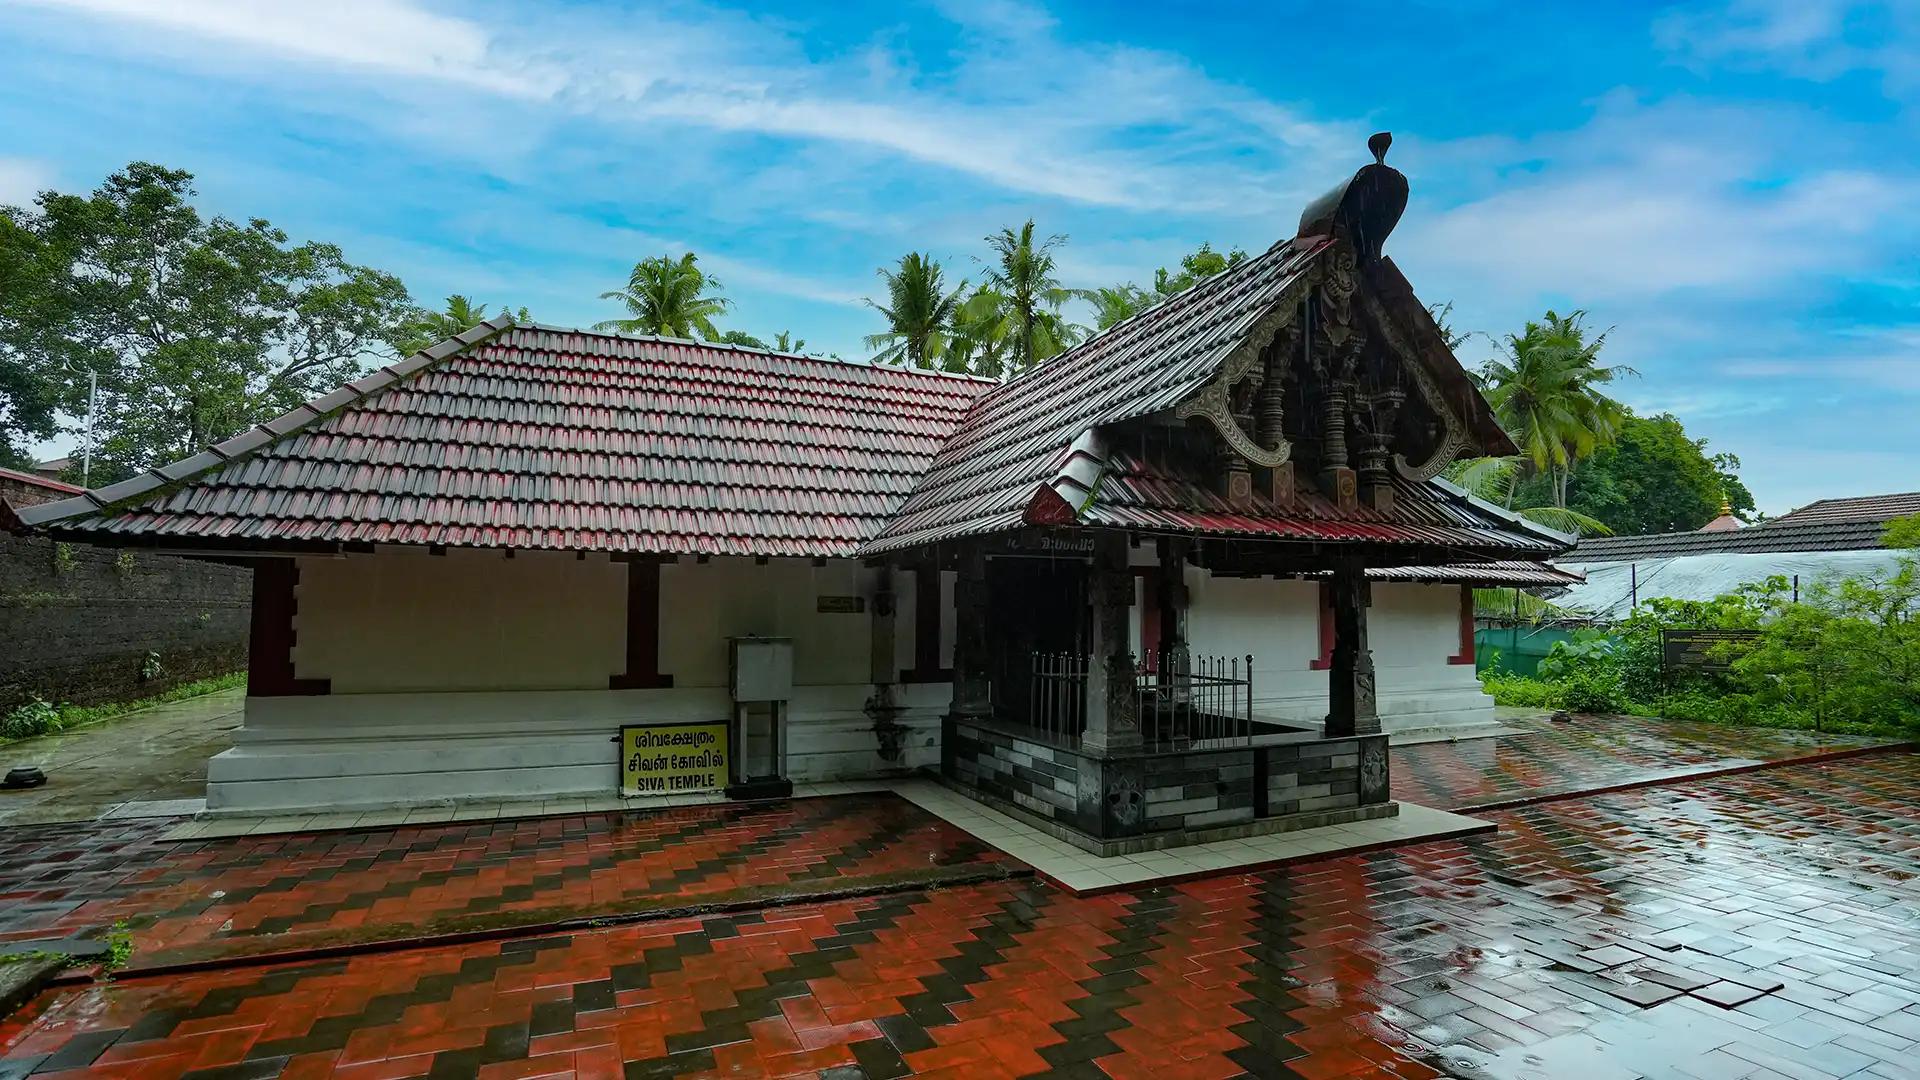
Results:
<point x="38" y="480"/>
<point x="542" y="438"/>
<point x="1504" y="572"/>
<point x="1025" y="434"/>
<point x="1875" y="508"/>
<point x="1772" y="536"/>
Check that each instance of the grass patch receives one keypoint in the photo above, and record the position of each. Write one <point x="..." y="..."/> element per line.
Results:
<point x="41" y="718"/>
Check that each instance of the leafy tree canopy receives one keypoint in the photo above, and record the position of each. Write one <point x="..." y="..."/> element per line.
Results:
<point x="1115" y="303"/>
<point x="196" y="328"/>
<point x="1651" y="479"/>
<point x="921" y="314"/>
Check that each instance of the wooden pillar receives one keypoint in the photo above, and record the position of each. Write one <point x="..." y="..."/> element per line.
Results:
<point x="270" y="636"/>
<point x="642" y="669"/>
<point x="1351" y="708"/>
<point x="1113" y="721"/>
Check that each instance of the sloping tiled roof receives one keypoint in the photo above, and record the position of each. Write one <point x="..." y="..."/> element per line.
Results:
<point x="1503" y="572"/>
<point x="1137" y="494"/>
<point x="543" y="438"/>
<point x="1773" y="536"/>
<point x="1010" y="443"/>
<point x="1024" y="434"/>
<point x="1874" y="508"/>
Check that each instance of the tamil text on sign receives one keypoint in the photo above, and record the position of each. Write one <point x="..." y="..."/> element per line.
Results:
<point x="672" y="759"/>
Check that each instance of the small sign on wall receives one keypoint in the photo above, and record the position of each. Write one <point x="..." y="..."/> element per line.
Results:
<point x="1703" y="650"/>
<point x="840" y="605"/>
<point x="672" y="759"/>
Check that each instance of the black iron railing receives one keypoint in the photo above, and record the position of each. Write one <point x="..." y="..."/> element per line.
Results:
<point x="1180" y="699"/>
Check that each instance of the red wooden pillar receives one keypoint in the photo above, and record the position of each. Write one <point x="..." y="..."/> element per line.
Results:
<point x="643" y="629"/>
<point x="1465" y="655"/>
<point x="270" y="634"/>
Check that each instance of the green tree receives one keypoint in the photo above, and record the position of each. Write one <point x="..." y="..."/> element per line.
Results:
<point x="1498" y="480"/>
<point x="1651" y="478"/>
<point x="30" y="394"/>
<point x="1114" y="304"/>
<point x="460" y="315"/>
<point x="1546" y="391"/>
<point x="977" y="345"/>
<point x="1025" y="298"/>
<point x="785" y="342"/>
<point x="920" y="312"/>
<point x="740" y="337"/>
<point x="1117" y="303"/>
<point x="196" y="328"/>
<point x="669" y="297"/>
<point x="1195" y="268"/>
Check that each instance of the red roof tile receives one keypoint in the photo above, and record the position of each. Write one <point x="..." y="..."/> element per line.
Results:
<point x="544" y="438"/>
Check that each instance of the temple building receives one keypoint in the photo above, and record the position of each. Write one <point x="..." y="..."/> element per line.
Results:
<point x="1184" y="579"/>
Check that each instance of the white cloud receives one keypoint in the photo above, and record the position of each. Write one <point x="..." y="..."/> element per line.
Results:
<point x="1021" y="109"/>
<point x="1817" y="40"/>
<point x="23" y="178"/>
<point x="1647" y="201"/>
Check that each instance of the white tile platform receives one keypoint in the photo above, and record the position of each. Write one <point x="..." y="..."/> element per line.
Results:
<point x="1068" y="866"/>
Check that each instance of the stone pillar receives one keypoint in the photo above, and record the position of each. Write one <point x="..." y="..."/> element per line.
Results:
<point x="1351" y="708"/>
<point x="971" y="694"/>
<point x="1174" y="659"/>
<point x="1113" y="721"/>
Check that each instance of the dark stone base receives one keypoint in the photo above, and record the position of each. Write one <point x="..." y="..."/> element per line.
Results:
<point x="765" y="787"/>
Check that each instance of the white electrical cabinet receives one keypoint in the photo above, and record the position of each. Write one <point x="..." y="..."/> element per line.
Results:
<point x="760" y="668"/>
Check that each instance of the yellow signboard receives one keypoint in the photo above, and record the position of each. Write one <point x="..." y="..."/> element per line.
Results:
<point x="672" y="759"/>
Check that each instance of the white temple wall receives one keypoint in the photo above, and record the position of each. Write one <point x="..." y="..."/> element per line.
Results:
<point x="471" y="675"/>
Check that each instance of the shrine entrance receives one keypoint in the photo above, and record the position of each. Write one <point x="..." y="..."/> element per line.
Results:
<point x="1037" y="639"/>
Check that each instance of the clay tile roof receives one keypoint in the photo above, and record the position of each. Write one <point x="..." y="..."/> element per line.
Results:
<point x="536" y="437"/>
<point x="1874" y="508"/>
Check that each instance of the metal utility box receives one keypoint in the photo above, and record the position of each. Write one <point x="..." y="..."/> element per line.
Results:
<point x="760" y="669"/>
<point x="760" y="676"/>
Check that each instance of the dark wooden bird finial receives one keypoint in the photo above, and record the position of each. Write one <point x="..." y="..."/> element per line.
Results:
<point x="1378" y="144"/>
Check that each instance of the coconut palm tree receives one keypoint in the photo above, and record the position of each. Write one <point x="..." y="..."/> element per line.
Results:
<point x="1117" y="303"/>
<point x="669" y="297"/>
<point x="920" y="312"/>
<point x="461" y="315"/>
<point x="1546" y="393"/>
<point x="977" y="347"/>
<point x="1495" y="479"/>
<point x="785" y="342"/>
<point x="1020" y="280"/>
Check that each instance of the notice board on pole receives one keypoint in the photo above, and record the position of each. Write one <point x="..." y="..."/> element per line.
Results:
<point x="673" y="758"/>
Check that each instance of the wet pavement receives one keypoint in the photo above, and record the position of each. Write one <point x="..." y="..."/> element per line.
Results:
<point x="155" y="755"/>
<point x="1762" y="924"/>
<point x="196" y="901"/>
<point x="1712" y="928"/>
<point x="1591" y="753"/>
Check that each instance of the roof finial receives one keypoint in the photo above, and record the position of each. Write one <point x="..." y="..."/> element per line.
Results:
<point x="1378" y="144"/>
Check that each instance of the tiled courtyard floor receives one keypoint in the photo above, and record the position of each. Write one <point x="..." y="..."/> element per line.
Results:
<point x="193" y="901"/>
<point x="1759" y="925"/>
<point x="1710" y="929"/>
<point x="1589" y="753"/>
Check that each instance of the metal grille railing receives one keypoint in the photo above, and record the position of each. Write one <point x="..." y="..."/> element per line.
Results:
<point x="1180" y="699"/>
<point x="1183" y="699"/>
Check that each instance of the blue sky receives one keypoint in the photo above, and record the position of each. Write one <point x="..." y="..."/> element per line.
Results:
<point x="1728" y="185"/>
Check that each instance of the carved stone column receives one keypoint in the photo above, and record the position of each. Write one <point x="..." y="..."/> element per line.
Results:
<point x="1351" y="703"/>
<point x="1174" y="660"/>
<point x="1113" y="721"/>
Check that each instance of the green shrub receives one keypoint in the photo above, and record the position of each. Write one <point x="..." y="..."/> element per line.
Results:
<point x="1522" y="692"/>
<point x="36" y="717"/>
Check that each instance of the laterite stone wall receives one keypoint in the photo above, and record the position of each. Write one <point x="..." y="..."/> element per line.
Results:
<point x="77" y="622"/>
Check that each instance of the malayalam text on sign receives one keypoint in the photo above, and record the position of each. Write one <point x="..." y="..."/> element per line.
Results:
<point x="672" y="759"/>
